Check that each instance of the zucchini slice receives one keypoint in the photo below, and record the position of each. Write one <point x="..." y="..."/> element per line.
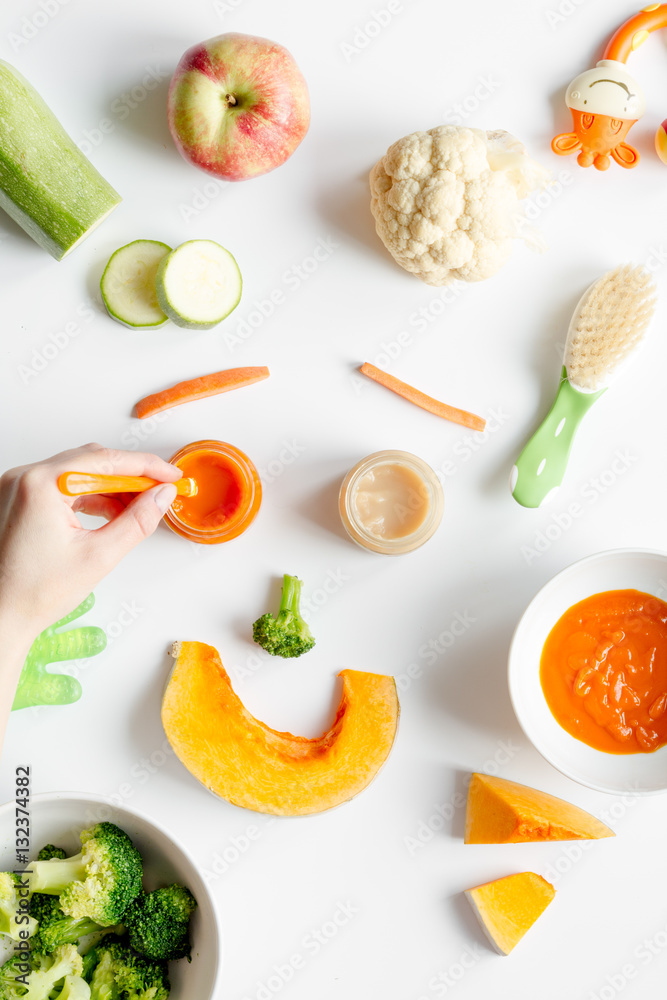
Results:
<point x="198" y="284"/>
<point x="128" y="284"/>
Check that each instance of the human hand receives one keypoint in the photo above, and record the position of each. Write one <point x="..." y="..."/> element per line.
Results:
<point x="49" y="562"/>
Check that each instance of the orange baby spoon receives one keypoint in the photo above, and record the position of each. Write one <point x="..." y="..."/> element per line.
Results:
<point x="76" y="484"/>
<point x="606" y="101"/>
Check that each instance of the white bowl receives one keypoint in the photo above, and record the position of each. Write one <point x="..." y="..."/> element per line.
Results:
<point x="631" y="569"/>
<point x="58" y="817"/>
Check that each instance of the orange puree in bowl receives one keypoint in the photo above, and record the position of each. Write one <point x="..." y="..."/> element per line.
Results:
<point x="604" y="671"/>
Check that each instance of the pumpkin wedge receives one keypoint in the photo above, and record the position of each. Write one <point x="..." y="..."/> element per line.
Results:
<point x="503" y="812"/>
<point x="509" y="907"/>
<point x="243" y="761"/>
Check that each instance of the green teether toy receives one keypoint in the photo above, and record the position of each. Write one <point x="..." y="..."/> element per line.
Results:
<point x="39" y="687"/>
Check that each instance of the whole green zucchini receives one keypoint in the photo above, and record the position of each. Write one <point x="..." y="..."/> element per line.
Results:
<point x="46" y="183"/>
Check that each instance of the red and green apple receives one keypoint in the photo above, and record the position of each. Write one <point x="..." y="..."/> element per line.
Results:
<point x="238" y="106"/>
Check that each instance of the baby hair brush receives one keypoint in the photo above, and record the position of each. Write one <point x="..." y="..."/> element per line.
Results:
<point x="607" y="326"/>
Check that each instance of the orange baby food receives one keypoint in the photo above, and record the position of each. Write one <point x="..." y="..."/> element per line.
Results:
<point x="604" y="671"/>
<point x="228" y="492"/>
<point x="219" y="491"/>
<point x="391" y="502"/>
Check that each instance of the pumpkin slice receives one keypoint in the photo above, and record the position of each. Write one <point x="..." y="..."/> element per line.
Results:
<point x="243" y="761"/>
<point x="509" y="907"/>
<point x="503" y="812"/>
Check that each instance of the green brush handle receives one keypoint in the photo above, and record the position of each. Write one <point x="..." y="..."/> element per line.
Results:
<point x="540" y="467"/>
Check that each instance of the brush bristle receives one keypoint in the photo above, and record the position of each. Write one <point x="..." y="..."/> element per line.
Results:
<point x="610" y="323"/>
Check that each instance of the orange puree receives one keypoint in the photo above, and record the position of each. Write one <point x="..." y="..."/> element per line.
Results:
<point x="220" y="490"/>
<point x="604" y="671"/>
<point x="228" y="495"/>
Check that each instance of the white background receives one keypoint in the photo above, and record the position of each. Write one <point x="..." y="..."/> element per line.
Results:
<point x="494" y="349"/>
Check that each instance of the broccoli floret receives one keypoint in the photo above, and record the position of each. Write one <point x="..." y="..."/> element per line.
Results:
<point x="287" y="634"/>
<point x="19" y="981"/>
<point x="49" y="852"/>
<point x="14" y="917"/>
<point x="158" y="923"/>
<point x="100" y="882"/>
<point x="10" y="988"/>
<point x="103" y="982"/>
<point x="74" y="988"/>
<point x="122" y="974"/>
<point x="55" y="927"/>
<point x="90" y="960"/>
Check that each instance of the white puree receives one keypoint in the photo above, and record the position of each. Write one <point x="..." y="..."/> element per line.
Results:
<point x="391" y="501"/>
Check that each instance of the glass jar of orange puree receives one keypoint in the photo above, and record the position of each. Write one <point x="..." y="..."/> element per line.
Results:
<point x="228" y="497"/>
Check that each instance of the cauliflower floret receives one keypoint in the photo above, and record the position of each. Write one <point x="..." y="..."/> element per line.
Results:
<point x="446" y="201"/>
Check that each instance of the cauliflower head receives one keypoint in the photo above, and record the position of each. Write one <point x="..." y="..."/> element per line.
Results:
<point x="447" y="202"/>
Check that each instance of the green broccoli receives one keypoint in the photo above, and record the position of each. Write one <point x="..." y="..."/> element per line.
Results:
<point x="90" y="960"/>
<point x="55" y="927"/>
<point x="287" y="634"/>
<point x="20" y="981"/>
<point x="14" y="918"/>
<point x="49" y="852"/>
<point x="74" y="988"/>
<point x="158" y="923"/>
<point x="121" y="974"/>
<point x="14" y="967"/>
<point x="100" y="882"/>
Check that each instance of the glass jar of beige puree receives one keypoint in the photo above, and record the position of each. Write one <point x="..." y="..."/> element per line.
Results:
<point x="391" y="502"/>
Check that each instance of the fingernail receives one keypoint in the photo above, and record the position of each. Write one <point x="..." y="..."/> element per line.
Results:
<point x="164" y="497"/>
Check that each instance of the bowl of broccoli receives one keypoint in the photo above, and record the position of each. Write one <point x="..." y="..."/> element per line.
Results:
<point x="110" y="907"/>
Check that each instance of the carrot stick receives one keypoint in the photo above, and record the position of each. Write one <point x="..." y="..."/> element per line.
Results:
<point x="421" y="399"/>
<point x="199" y="388"/>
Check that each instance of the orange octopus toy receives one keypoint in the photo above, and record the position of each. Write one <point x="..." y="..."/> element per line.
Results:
<point x="607" y="101"/>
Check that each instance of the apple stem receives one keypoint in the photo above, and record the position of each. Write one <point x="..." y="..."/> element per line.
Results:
<point x="230" y="99"/>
